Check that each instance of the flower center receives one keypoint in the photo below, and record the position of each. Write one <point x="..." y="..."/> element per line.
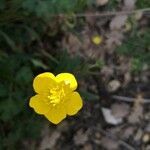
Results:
<point x="56" y="95"/>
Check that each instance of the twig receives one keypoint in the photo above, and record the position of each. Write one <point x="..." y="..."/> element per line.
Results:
<point x="146" y="10"/>
<point x="129" y="99"/>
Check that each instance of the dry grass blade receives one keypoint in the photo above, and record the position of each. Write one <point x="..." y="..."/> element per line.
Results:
<point x="129" y="99"/>
<point x="104" y="14"/>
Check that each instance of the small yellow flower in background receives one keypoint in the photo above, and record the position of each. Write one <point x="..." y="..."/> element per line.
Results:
<point x="55" y="98"/>
<point x="97" y="39"/>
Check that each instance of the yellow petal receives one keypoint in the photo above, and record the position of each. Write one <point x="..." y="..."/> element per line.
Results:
<point x="74" y="104"/>
<point x="56" y="114"/>
<point x="97" y="39"/>
<point x="68" y="78"/>
<point x="43" y="82"/>
<point x="37" y="103"/>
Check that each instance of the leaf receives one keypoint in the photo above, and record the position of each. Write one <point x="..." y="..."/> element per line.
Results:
<point x="2" y="4"/>
<point x="49" y="141"/>
<point x="29" y="5"/>
<point x="3" y="90"/>
<point x="143" y="3"/>
<point x="136" y="65"/>
<point x="114" y="38"/>
<point x="67" y="63"/>
<point x="137" y="112"/>
<point x="109" y="143"/>
<point x="109" y="118"/>
<point x="33" y="33"/>
<point x="118" y="22"/>
<point x="42" y="9"/>
<point x="129" y="4"/>
<point x="101" y="2"/>
<point x="120" y="110"/>
<point x="80" y="138"/>
<point x="8" y="109"/>
<point x="39" y="63"/>
<point x="88" y="96"/>
<point x="24" y="75"/>
<point x="9" y="41"/>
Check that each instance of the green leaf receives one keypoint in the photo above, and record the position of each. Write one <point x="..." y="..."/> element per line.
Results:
<point x="143" y="3"/>
<point x="8" y="109"/>
<point x="34" y="35"/>
<point x="136" y="65"/>
<point x="30" y="5"/>
<point x="24" y="75"/>
<point x="88" y="96"/>
<point x="3" y="90"/>
<point x="2" y="4"/>
<point x="9" y="41"/>
<point x="39" y="63"/>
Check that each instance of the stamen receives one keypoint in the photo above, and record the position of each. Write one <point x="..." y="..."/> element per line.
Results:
<point x="57" y="94"/>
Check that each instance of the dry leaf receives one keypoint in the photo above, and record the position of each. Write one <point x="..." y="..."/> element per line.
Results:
<point x="128" y="132"/>
<point x="89" y="19"/>
<point x="49" y="141"/>
<point x="120" y="110"/>
<point x="118" y="22"/>
<point x="147" y="128"/>
<point x="80" y="138"/>
<point x="87" y="146"/>
<point x="109" y="118"/>
<point x="63" y="126"/>
<point x="107" y="72"/>
<point x="71" y="43"/>
<point x="109" y="144"/>
<point x="101" y="2"/>
<point x="114" y="39"/>
<point x="128" y="26"/>
<point x="137" y="112"/>
<point x="129" y="4"/>
<point x="138" y="15"/>
<point x="138" y="135"/>
<point x="127" y="79"/>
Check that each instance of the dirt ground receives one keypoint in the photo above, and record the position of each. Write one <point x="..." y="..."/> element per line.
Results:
<point x="118" y="118"/>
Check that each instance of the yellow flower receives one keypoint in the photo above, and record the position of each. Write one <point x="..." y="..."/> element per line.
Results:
<point x="55" y="98"/>
<point x="97" y="39"/>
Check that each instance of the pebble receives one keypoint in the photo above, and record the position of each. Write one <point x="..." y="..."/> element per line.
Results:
<point x="146" y="138"/>
<point x="113" y="85"/>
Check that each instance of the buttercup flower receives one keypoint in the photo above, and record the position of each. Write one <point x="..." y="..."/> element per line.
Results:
<point x="97" y="39"/>
<point x="55" y="98"/>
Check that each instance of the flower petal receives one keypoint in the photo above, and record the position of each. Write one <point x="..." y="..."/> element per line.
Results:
<point x="43" y="82"/>
<point x="74" y="104"/>
<point x="68" y="78"/>
<point x="37" y="103"/>
<point x="56" y="114"/>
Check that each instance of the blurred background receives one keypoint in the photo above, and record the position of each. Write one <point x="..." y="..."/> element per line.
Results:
<point x="105" y="44"/>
